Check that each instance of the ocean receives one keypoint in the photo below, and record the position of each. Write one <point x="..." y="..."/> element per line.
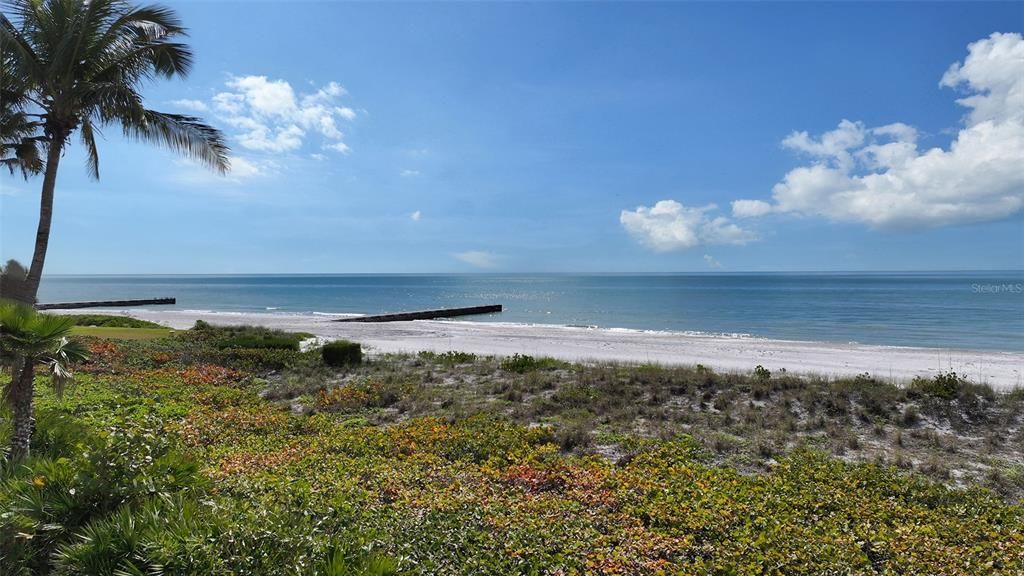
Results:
<point x="966" y="310"/>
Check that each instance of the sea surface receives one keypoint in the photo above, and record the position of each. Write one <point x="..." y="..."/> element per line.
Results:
<point x="967" y="310"/>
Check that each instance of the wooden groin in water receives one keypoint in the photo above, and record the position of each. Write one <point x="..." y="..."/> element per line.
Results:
<point x="105" y="304"/>
<point x="426" y="314"/>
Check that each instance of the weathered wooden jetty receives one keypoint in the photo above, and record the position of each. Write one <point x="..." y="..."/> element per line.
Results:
<point x="426" y="314"/>
<point x="105" y="304"/>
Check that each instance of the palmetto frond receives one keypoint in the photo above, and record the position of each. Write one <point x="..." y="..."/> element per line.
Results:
<point x="60" y="360"/>
<point x="27" y="335"/>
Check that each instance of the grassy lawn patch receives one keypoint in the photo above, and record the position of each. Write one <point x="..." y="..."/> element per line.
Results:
<point x="120" y="333"/>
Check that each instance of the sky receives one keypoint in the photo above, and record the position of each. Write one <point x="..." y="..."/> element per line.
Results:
<point x="575" y="137"/>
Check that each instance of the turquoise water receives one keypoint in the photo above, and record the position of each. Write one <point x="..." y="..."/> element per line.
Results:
<point x="971" y="310"/>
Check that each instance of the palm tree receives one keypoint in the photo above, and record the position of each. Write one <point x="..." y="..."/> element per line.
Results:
<point x="83" y="63"/>
<point x="29" y="339"/>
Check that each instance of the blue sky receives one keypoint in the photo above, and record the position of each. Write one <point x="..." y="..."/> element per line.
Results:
<point x="605" y="137"/>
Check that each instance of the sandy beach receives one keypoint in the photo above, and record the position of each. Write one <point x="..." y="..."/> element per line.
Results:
<point x="1001" y="370"/>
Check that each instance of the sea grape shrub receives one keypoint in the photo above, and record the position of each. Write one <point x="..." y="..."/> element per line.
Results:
<point x="341" y="353"/>
<point x="268" y="341"/>
<point x="260" y="359"/>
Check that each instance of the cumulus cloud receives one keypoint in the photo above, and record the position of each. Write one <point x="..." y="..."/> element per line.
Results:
<point x="478" y="258"/>
<point x="409" y="173"/>
<point x="878" y="176"/>
<point x="415" y="216"/>
<point x="192" y="105"/>
<point x="668" y="225"/>
<point x="271" y="116"/>
<point x="711" y="262"/>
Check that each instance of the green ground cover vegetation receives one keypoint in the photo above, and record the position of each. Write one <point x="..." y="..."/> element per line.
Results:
<point x="181" y="455"/>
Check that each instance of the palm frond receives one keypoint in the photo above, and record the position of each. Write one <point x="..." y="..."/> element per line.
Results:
<point x="139" y="41"/>
<point x="18" y="50"/>
<point x="59" y="363"/>
<point x="92" y="155"/>
<point x="185" y="134"/>
<point x="29" y="336"/>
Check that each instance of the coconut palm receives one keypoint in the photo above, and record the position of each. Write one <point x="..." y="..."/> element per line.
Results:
<point x="29" y="339"/>
<point x="83" y="63"/>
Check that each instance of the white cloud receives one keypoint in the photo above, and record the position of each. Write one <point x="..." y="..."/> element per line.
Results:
<point x="668" y="225"/>
<point x="193" y="105"/>
<point x="478" y="258"/>
<point x="270" y="116"/>
<point x="409" y="173"/>
<point x="711" y="262"/>
<point x="994" y="72"/>
<point x="338" y="147"/>
<point x="416" y="216"/>
<point x="750" y="208"/>
<point x="243" y="170"/>
<point x="879" y="177"/>
<point x="318" y="157"/>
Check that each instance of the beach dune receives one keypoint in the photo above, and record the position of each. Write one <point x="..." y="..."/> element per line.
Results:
<point x="1001" y="370"/>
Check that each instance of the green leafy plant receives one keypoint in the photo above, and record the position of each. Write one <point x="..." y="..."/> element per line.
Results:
<point x="342" y="353"/>
<point x="29" y="339"/>
<point x="762" y="373"/>
<point x="105" y="320"/>
<point x="945" y="386"/>
<point x="523" y="363"/>
<point x="449" y="358"/>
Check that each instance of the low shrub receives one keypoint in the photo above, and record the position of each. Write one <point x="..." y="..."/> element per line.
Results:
<point x="110" y="321"/>
<point x="261" y="359"/>
<point x="47" y="500"/>
<point x="762" y="373"/>
<point x="261" y="341"/>
<point x="522" y="363"/>
<point x="357" y="395"/>
<point x="342" y="353"/>
<point x="450" y="358"/>
<point x="944" y="386"/>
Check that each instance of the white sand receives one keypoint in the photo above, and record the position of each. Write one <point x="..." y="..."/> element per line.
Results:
<point x="1002" y="370"/>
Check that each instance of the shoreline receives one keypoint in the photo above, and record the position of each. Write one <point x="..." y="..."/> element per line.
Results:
<point x="731" y="353"/>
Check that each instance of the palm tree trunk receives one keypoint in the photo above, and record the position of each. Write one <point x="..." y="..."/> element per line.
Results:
<point x="35" y="271"/>
<point x="20" y="399"/>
